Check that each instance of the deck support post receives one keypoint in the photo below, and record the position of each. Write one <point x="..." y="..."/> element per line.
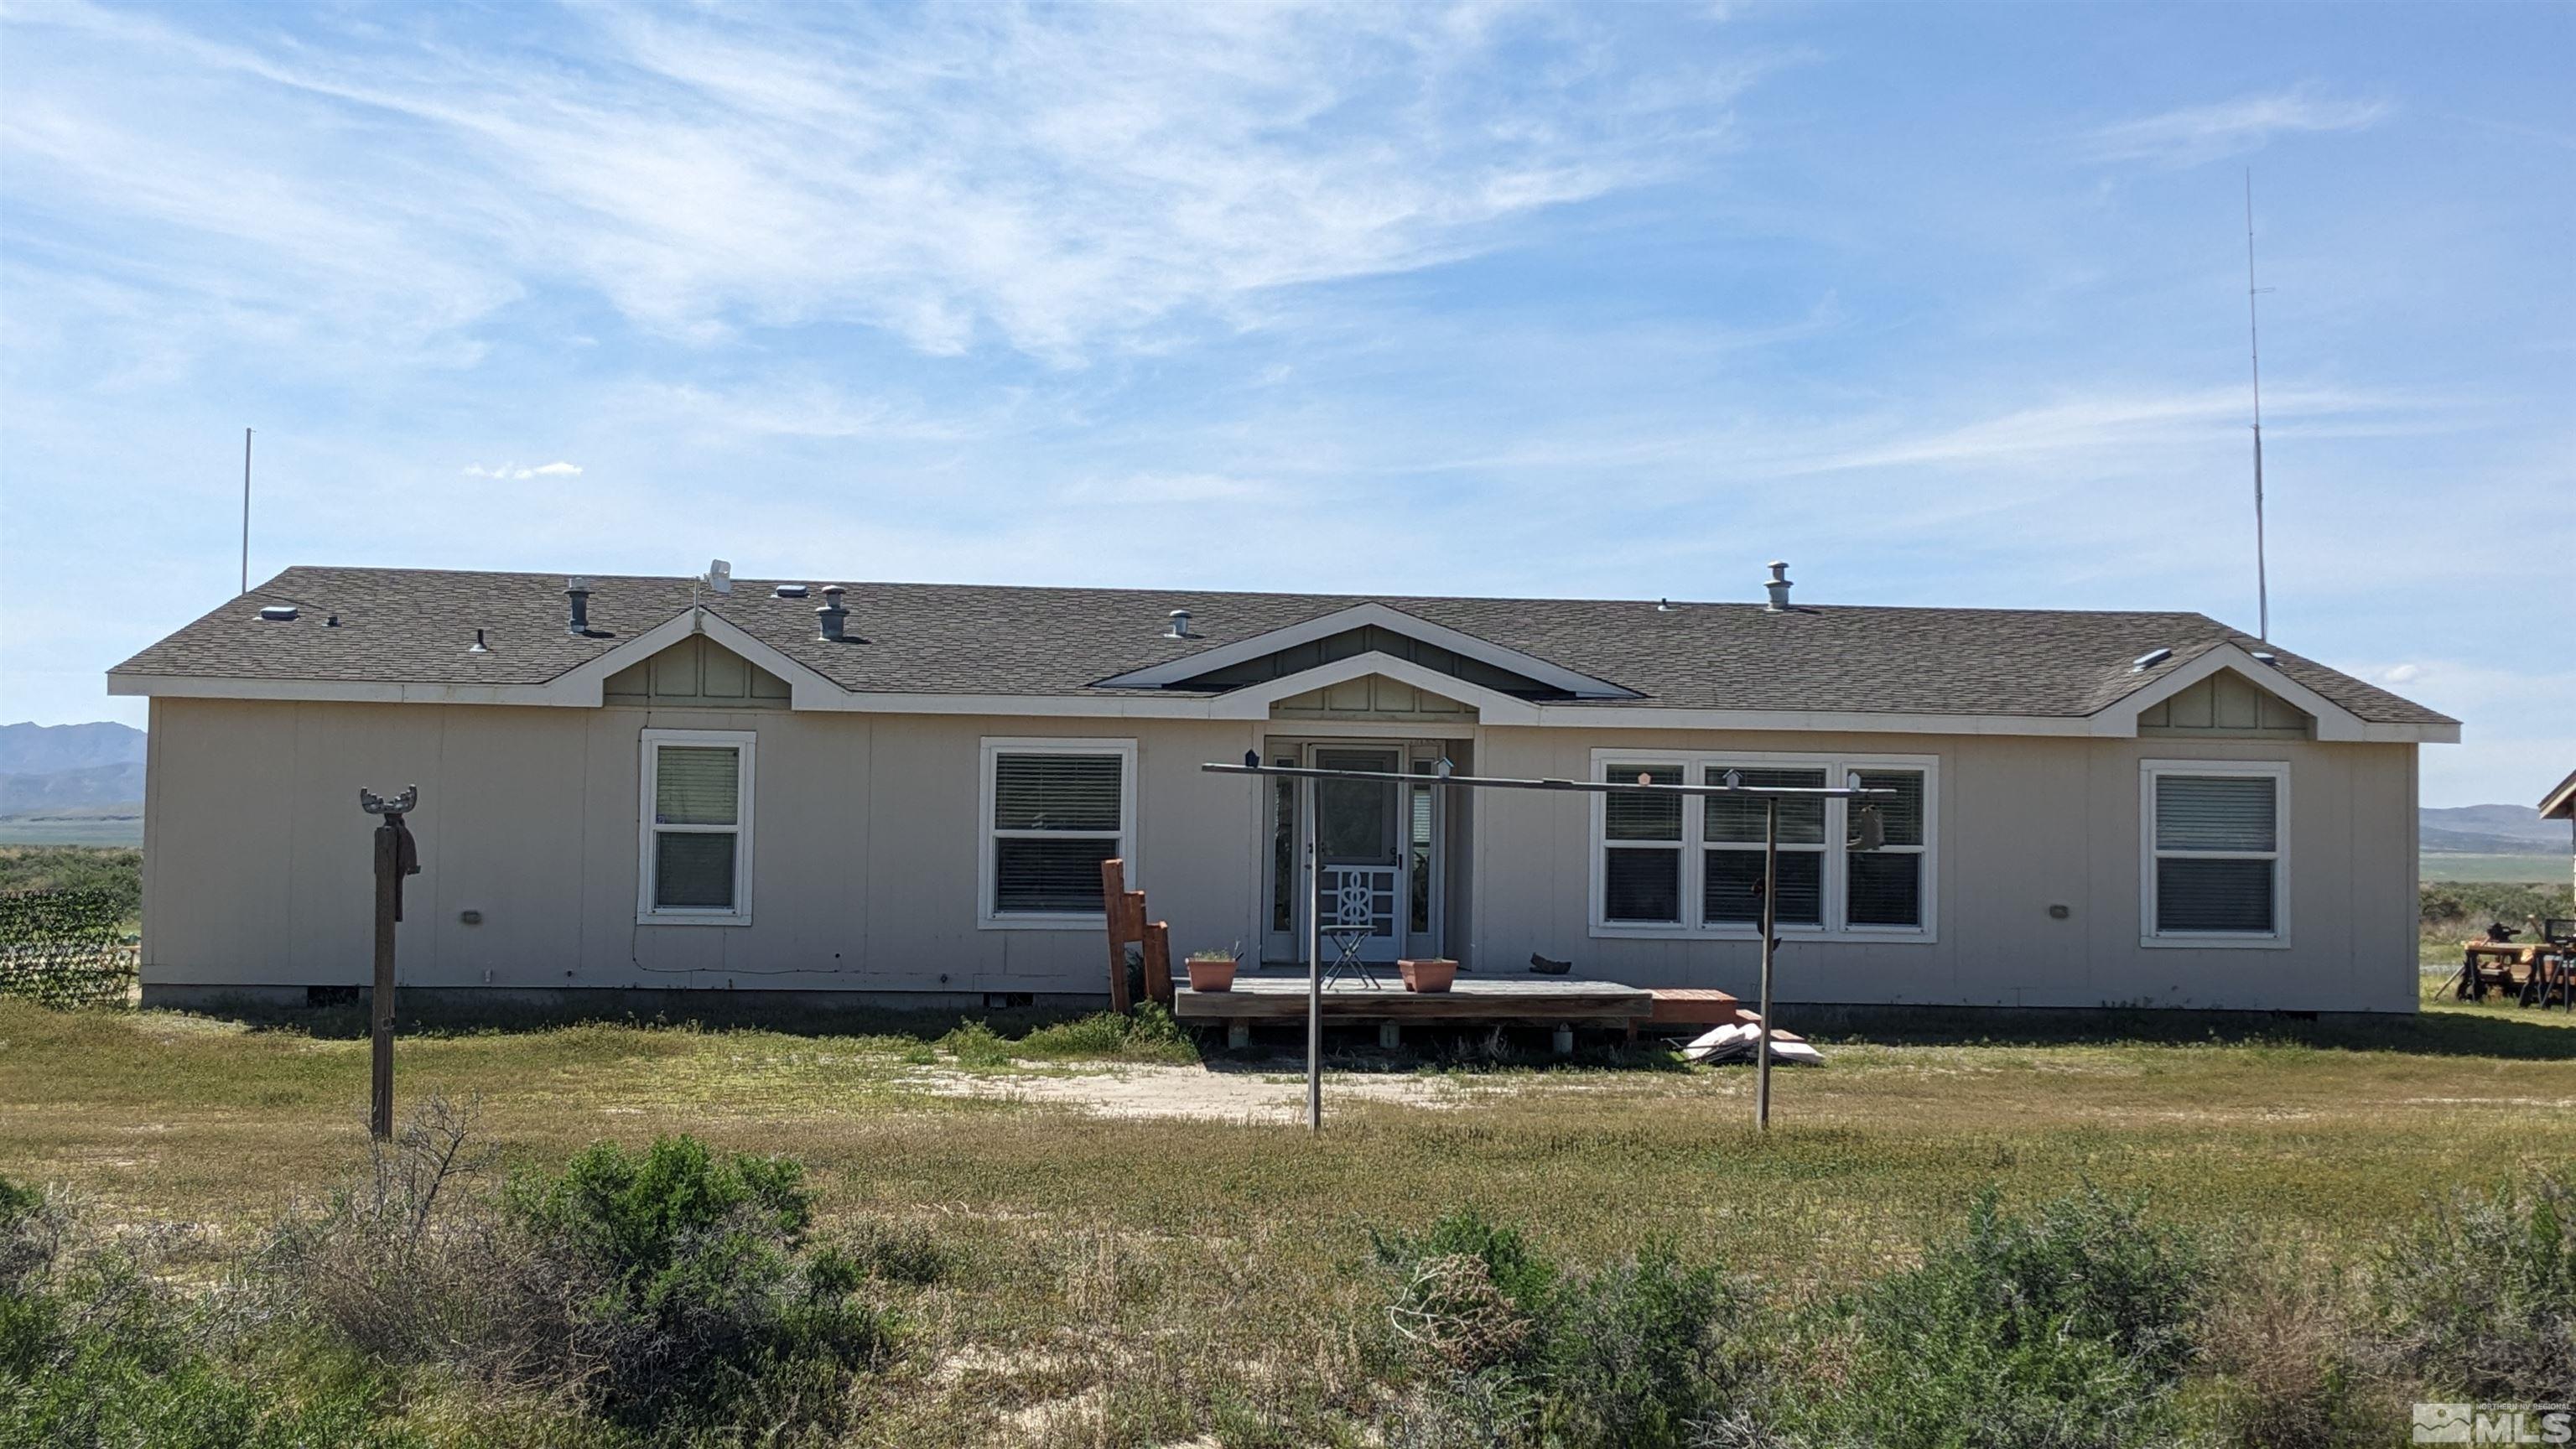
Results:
<point x="1390" y="1035"/>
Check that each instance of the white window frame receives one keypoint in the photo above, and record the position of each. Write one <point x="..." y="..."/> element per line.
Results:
<point x="745" y="743"/>
<point x="2278" y="938"/>
<point x="1695" y="845"/>
<point x="1685" y="877"/>
<point x="986" y="918"/>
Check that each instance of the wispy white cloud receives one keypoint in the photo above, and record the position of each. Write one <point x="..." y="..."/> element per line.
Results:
<point x="1048" y="179"/>
<point x="520" y="472"/>
<point x="2193" y="135"/>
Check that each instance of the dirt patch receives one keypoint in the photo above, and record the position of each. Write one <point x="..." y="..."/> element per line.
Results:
<point x="1194" y="1092"/>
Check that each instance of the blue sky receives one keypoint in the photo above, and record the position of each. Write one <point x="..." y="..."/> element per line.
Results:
<point x="1943" y="305"/>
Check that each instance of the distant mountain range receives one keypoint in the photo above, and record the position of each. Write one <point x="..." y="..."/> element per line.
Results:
<point x="79" y="782"/>
<point x="2489" y="830"/>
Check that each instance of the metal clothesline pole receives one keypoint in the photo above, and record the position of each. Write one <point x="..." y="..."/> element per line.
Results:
<point x="1314" y="958"/>
<point x="1306" y="776"/>
<point x="1770" y="919"/>
<point x="1585" y="787"/>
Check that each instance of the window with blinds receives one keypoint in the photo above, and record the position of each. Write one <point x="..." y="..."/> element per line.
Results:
<point x="1731" y="884"/>
<point x="1694" y="865"/>
<point x="1054" y="812"/>
<point x="1641" y="855"/>
<point x="2214" y="836"/>
<point x="696" y="837"/>
<point x="1883" y="888"/>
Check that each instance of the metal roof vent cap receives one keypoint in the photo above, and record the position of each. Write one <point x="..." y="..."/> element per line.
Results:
<point x="277" y="613"/>
<point x="790" y="591"/>
<point x="2149" y="660"/>
<point x="1779" y="587"/>
<point x="1180" y="625"/>
<point x="577" y="591"/>
<point x="831" y="621"/>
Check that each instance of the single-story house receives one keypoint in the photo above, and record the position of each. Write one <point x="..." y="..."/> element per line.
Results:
<point x="905" y="791"/>
<point x="2560" y="804"/>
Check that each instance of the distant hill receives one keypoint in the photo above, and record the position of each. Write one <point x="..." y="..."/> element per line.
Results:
<point x="71" y="783"/>
<point x="34" y="749"/>
<point x="56" y="791"/>
<point x="2489" y="830"/>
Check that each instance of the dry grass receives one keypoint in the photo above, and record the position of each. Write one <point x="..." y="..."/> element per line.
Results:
<point x="1117" y="1279"/>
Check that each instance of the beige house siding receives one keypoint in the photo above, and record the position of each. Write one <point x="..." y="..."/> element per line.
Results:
<point x="2022" y="824"/>
<point x="866" y="846"/>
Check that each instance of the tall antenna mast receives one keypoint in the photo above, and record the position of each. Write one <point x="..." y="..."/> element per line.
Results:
<point x="2254" y="353"/>
<point x="245" y="577"/>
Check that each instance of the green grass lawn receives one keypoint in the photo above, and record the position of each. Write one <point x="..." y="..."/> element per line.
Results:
<point x="173" y="1117"/>
<point x="1244" y="1242"/>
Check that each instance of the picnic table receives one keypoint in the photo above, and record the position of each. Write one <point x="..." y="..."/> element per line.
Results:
<point x="2535" y="973"/>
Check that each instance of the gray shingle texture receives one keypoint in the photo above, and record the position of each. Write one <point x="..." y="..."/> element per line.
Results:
<point x="414" y="625"/>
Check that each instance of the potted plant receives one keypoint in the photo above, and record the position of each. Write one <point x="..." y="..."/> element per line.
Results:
<point x="1213" y="970"/>
<point x="1436" y="974"/>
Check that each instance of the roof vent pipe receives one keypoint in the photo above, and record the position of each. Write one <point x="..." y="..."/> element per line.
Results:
<point x="1779" y="587"/>
<point x="1180" y="625"/>
<point x="578" y="592"/>
<point x="831" y="619"/>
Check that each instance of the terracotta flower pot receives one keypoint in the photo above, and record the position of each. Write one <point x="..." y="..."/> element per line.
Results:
<point x="1212" y="975"/>
<point x="1437" y="974"/>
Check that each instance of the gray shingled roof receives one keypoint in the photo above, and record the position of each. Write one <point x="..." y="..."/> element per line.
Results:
<point x="413" y="626"/>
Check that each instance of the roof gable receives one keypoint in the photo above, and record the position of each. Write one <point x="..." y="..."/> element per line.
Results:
<point x="1368" y="628"/>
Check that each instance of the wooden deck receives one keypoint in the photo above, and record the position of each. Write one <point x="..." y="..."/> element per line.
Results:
<point x="1546" y="1001"/>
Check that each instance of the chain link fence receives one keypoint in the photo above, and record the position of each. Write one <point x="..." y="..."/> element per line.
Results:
<point x="64" y="949"/>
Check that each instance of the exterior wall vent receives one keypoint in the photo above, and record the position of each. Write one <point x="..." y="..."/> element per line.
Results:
<point x="277" y="613"/>
<point x="2149" y="660"/>
<point x="1779" y="588"/>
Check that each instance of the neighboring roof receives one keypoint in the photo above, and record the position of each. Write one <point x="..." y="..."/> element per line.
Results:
<point x="2560" y="802"/>
<point x="413" y="626"/>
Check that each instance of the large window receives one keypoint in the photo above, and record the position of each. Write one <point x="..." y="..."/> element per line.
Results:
<point x="2213" y="853"/>
<point x="1673" y="865"/>
<point x="696" y="838"/>
<point x="1053" y="810"/>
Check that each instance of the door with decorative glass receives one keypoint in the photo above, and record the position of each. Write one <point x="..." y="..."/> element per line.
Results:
<point x="1360" y="851"/>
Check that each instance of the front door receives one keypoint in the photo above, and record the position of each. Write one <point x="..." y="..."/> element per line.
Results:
<point x="1360" y="851"/>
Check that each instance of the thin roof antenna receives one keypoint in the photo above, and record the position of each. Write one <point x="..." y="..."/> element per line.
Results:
<point x="245" y="582"/>
<point x="2254" y="354"/>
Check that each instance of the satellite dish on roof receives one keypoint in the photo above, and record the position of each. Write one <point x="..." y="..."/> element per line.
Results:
<point x="719" y="576"/>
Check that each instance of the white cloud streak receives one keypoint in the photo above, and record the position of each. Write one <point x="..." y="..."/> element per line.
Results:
<point x="519" y="473"/>
<point x="1053" y="180"/>
<point x="2194" y="135"/>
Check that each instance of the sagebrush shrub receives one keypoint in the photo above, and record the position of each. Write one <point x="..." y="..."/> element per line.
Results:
<point x="2478" y="1296"/>
<point x="2070" y="1327"/>
<point x="1525" y="1351"/>
<point x="711" y="1300"/>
